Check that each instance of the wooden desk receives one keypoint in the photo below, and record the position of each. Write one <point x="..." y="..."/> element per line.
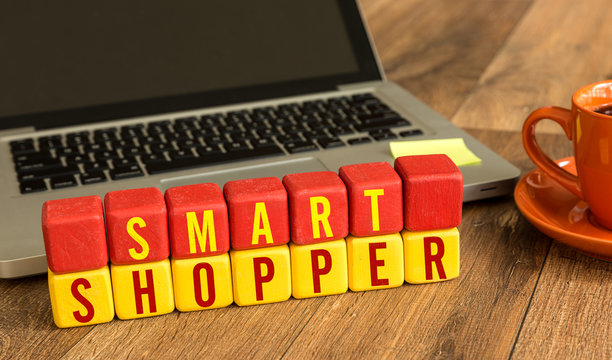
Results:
<point x="485" y="65"/>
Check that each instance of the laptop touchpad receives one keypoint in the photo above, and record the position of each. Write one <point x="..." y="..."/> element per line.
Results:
<point x="220" y="177"/>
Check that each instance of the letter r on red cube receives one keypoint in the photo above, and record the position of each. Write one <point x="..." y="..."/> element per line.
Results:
<point x="74" y="234"/>
<point x="375" y="198"/>
<point x="197" y="221"/>
<point x="258" y="212"/>
<point x="433" y="191"/>
<point x="137" y="225"/>
<point x="318" y="207"/>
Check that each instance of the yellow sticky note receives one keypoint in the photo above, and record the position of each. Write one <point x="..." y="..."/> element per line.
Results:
<point x="454" y="148"/>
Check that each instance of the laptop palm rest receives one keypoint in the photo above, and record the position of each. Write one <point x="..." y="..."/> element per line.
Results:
<point x="220" y="177"/>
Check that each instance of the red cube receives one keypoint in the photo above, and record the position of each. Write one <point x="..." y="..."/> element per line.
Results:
<point x="197" y="221"/>
<point x="433" y="191"/>
<point x="258" y="213"/>
<point x="74" y="234"/>
<point x="137" y="226"/>
<point x="318" y="207"/>
<point x="375" y="198"/>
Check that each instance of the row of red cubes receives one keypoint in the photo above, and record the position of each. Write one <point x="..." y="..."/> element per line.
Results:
<point x="423" y="193"/>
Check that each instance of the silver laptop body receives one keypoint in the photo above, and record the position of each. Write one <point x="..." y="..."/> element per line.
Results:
<point x="21" y="245"/>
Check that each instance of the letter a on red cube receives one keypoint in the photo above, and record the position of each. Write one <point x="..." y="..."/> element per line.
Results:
<point x="137" y="226"/>
<point x="375" y="198"/>
<point x="258" y="212"/>
<point x="197" y="221"/>
<point x="318" y="207"/>
<point x="74" y="234"/>
<point x="433" y="191"/>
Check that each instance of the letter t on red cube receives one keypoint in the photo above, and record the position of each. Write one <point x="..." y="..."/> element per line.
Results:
<point x="433" y="191"/>
<point x="74" y="234"/>
<point x="375" y="198"/>
<point x="258" y="212"/>
<point x="318" y="207"/>
<point x="137" y="226"/>
<point x="197" y="220"/>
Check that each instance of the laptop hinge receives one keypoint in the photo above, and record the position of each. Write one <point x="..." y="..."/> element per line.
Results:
<point x="17" y="131"/>
<point x="361" y="85"/>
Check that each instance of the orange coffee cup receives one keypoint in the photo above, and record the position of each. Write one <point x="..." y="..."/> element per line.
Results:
<point x="591" y="134"/>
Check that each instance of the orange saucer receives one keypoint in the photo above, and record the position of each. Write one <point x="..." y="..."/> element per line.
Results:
<point x="561" y="215"/>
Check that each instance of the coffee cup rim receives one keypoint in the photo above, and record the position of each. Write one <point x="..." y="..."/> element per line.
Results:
<point x="586" y="92"/>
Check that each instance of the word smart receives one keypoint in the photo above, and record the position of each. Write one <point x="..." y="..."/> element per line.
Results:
<point x="255" y="241"/>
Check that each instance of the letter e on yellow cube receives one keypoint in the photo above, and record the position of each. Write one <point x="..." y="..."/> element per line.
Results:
<point x="202" y="283"/>
<point x="375" y="262"/>
<point x="431" y="256"/>
<point x="319" y="269"/>
<point x="81" y="298"/>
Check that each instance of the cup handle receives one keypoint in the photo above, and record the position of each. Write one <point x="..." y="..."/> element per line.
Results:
<point x="564" y="118"/>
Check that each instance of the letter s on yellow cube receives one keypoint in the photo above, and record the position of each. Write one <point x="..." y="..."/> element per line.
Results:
<point x="431" y="256"/>
<point x="81" y="298"/>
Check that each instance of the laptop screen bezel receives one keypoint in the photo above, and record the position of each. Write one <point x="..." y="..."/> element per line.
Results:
<point x="368" y="70"/>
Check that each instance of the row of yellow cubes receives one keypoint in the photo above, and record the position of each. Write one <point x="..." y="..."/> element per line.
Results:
<point x="254" y="276"/>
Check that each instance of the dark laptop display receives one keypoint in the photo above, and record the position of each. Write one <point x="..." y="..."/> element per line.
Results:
<point x="77" y="63"/>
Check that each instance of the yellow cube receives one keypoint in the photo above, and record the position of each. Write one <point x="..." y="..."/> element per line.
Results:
<point x="431" y="256"/>
<point x="319" y="269"/>
<point x="375" y="262"/>
<point x="261" y="275"/>
<point x="143" y="289"/>
<point x="202" y="283"/>
<point x="81" y="298"/>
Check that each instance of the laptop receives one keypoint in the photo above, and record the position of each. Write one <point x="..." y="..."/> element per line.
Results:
<point x="119" y="95"/>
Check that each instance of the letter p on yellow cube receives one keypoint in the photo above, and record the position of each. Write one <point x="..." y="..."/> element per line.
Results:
<point x="431" y="256"/>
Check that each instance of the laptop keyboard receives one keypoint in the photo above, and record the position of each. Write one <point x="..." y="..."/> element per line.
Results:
<point x="115" y="153"/>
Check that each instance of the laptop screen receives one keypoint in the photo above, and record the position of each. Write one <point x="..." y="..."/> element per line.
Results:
<point x="76" y="62"/>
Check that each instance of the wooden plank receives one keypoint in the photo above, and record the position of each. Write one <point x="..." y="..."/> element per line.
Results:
<point x="258" y="332"/>
<point x="559" y="46"/>
<point x="570" y="312"/>
<point x="437" y="49"/>
<point x="27" y="330"/>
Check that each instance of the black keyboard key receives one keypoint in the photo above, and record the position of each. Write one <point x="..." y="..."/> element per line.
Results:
<point x="92" y="177"/>
<point x="361" y="140"/>
<point x="62" y="181"/>
<point x="50" y="142"/>
<point x="106" y="155"/>
<point x="45" y="154"/>
<point x="383" y="124"/>
<point x="208" y="150"/>
<point x="45" y="173"/>
<point x="412" y="132"/>
<point x="341" y="130"/>
<point x="154" y="157"/>
<point x="108" y="134"/>
<point x="38" y="164"/>
<point x="130" y="160"/>
<point x="181" y="154"/>
<point x="300" y="146"/>
<point x="331" y="142"/>
<point x="156" y="168"/>
<point x="236" y="146"/>
<point x="125" y="172"/>
<point x="91" y="166"/>
<point x="22" y="146"/>
<point x="383" y="134"/>
<point x="31" y="186"/>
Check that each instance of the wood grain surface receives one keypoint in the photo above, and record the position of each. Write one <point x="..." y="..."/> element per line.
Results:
<point x="485" y="65"/>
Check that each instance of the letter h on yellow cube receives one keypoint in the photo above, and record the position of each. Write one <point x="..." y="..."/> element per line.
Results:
<point x="431" y="256"/>
<point x="143" y="289"/>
